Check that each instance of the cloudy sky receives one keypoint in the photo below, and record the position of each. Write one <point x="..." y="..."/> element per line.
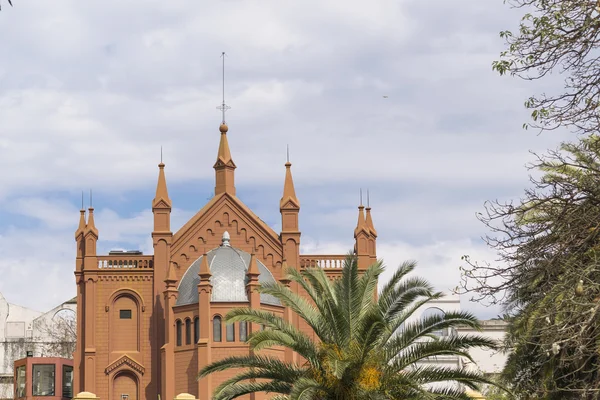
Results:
<point x="90" y="91"/>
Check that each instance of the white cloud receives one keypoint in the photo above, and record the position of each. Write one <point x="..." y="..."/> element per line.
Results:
<point x="91" y="92"/>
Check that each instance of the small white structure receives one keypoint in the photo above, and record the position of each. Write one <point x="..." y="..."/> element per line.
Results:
<point x="49" y="334"/>
<point x="486" y="361"/>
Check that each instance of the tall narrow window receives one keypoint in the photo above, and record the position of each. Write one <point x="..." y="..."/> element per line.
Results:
<point x="217" y="329"/>
<point x="67" y="382"/>
<point x="188" y="331"/>
<point x="243" y="331"/>
<point x="196" y="330"/>
<point x="230" y="332"/>
<point x="21" y="379"/>
<point x="179" y="326"/>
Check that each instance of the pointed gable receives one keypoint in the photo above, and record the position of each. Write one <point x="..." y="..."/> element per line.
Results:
<point x="127" y="361"/>
<point x="225" y="212"/>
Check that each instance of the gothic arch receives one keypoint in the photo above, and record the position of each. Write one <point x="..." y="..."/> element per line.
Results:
<point x="124" y="380"/>
<point x="131" y="324"/>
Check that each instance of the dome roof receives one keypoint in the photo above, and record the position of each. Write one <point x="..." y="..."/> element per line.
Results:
<point x="228" y="267"/>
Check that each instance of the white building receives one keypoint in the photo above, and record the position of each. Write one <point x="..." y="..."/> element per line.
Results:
<point x="489" y="362"/>
<point x="50" y="334"/>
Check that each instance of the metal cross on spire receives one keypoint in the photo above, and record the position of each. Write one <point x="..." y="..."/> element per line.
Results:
<point x="223" y="107"/>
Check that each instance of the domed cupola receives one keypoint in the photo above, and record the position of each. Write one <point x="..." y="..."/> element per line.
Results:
<point x="228" y="267"/>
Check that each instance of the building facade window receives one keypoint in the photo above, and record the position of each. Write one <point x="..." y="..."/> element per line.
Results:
<point x="243" y="331"/>
<point x="230" y="332"/>
<point x="67" y="382"/>
<point x="188" y="331"/>
<point x="217" y="329"/>
<point x="21" y="379"/>
<point x="43" y="379"/>
<point x="178" y="332"/>
<point x="196" y="330"/>
<point x="125" y="314"/>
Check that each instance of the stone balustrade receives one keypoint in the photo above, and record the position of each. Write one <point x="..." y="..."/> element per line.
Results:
<point x="125" y="262"/>
<point x="323" y="261"/>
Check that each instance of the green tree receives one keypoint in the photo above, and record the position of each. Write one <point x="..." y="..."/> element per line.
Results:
<point x="367" y="348"/>
<point x="548" y="277"/>
<point x="558" y="36"/>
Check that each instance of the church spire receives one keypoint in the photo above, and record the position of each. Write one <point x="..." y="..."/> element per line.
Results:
<point x="224" y="166"/>
<point x="289" y="193"/>
<point x="361" y="224"/>
<point x="162" y="194"/>
<point x="91" y="225"/>
<point x="82" y="223"/>
<point x="369" y="220"/>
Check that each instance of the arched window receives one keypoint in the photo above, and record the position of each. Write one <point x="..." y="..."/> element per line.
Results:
<point x="431" y="312"/>
<point x="196" y="330"/>
<point x="243" y="331"/>
<point x="179" y="326"/>
<point x="188" y="331"/>
<point x="230" y="332"/>
<point x="217" y="329"/>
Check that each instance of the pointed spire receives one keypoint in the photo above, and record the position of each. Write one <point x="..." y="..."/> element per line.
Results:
<point x="91" y="225"/>
<point x="161" y="186"/>
<point x="204" y="271"/>
<point x="289" y="192"/>
<point x="224" y="166"/>
<point x="224" y="154"/>
<point x="253" y="266"/>
<point x="369" y="220"/>
<point x="171" y="278"/>
<point x="82" y="222"/>
<point x="361" y="224"/>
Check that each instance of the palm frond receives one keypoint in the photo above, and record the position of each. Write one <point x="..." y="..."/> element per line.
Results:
<point x="241" y="389"/>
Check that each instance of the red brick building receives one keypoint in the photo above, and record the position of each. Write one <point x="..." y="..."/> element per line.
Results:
<point x="148" y="323"/>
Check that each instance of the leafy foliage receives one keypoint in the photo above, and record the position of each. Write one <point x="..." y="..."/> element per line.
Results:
<point x="558" y="36"/>
<point x="367" y="348"/>
<point x="548" y="277"/>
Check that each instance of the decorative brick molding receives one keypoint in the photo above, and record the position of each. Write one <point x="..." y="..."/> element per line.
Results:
<point x="125" y="360"/>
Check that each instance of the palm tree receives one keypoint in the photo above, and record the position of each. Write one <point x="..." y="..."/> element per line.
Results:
<point x="367" y="347"/>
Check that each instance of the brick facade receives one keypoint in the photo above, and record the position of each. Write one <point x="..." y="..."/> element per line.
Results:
<point x="127" y="318"/>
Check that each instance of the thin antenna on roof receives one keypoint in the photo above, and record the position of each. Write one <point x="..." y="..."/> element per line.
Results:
<point x="368" y="202"/>
<point x="91" y="198"/>
<point x="361" y="197"/>
<point x="223" y="107"/>
<point x="82" y="200"/>
<point x="288" y="153"/>
<point x="161" y="154"/>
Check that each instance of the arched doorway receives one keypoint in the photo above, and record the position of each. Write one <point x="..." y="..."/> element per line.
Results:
<point x="125" y="387"/>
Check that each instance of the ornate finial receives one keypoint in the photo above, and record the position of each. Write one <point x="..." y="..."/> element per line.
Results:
<point x="361" y="197"/>
<point x="368" y="202"/>
<point x="288" y="153"/>
<point x="82" y="206"/>
<point x="161" y="161"/>
<point x="226" y="238"/>
<point x="91" y="204"/>
<point x="223" y="107"/>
